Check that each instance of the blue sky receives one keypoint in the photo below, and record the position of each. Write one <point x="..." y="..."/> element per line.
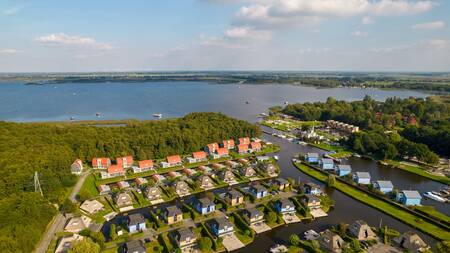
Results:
<point x="109" y="35"/>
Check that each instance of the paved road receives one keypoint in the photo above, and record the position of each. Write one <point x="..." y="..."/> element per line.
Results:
<point x="57" y="225"/>
<point x="77" y="187"/>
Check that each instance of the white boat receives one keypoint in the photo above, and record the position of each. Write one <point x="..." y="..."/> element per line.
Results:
<point x="356" y="155"/>
<point x="275" y="157"/>
<point x="311" y="235"/>
<point x="277" y="248"/>
<point x="433" y="196"/>
<point x="302" y="143"/>
<point x="157" y="115"/>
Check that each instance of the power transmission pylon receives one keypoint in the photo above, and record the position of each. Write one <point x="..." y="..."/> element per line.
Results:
<point x="37" y="184"/>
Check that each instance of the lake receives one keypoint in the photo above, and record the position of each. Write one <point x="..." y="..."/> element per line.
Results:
<point x="60" y="102"/>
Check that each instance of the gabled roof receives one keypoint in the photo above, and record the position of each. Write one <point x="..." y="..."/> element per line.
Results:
<point x="212" y="146"/>
<point x="128" y="159"/>
<point x="255" y="145"/>
<point x="135" y="246"/>
<point x="411" y="194"/>
<point x="115" y="169"/>
<point x="222" y="222"/>
<point x="174" y="159"/>
<point x="103" y="161"/>
<point x="135" y="218"/>
<point x="173" y="210"/>
<point x="78" y="161"/>
<point x="286" y="202"/>
<point x="327" y="161"/>
<point x="205" y="202"/>
<point x="242" y="147"/>
<point x="258" y="187"/>
<point x="384" y="184"/>
<point x="184" y="233"/>
<point x="344" y="167"/>
<point x="145" y="164"/>
<point x="199" y="155"/>
<point x="312" y="155"/>
<point x="252" y="212"/>
<point x="281" y="181"/>
<point x="234" y="194"/>
<point x="222" y="151"/>
<point x="365" y="175"/>
<point x="244" y="140"/>
<point x="228" y="143"/>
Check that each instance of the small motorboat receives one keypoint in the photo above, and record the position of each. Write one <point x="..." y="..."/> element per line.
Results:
<point x="286" y="102"/>
<point x="97" y="114"/>
<point x="433" y="196"/>
<point x="275" y="157"/>
<point x="311" y="235"/>
<point x="278" y="248"/>
<point x="247" y="102"/>
<point x="157" y="115"/>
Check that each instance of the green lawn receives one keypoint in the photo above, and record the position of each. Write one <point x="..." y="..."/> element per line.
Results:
<point x="384" y="206"/>
<point x="433" y="213"/>
<point x="419" y="171"/>
<point x="89" y="185"/>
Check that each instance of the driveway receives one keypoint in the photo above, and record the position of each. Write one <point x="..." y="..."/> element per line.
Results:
<point x="77" y="187"/>
<point x="231" y="242"/>
<point x="260" y="227"/>
<point x="317" y="213"/>
<point x="290" y="218"/>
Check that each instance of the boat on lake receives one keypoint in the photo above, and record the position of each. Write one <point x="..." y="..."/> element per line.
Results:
<point x="157" y="115"/>
<point x="275" y="157"/>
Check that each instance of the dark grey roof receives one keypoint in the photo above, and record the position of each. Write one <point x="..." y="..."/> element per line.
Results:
<point x="259" y="188"/>
<point x="312" y="185"/>
<point x="286" y="202"/>
<point x="234" y="194"/>
<point x="253" y="212"/>
<point x="173" y="210"/>
<point x="411" y="194"/>
<point x="184" y="233"/>
<point x="281" y="181"/>
<point x="327" y="161"/>
<point x="360" y="174"/>
<point x="311" y="197"/>
<point x="135" y="218"/>
<point x="316" y="155"/>
<point x="384" y="184"/>
<point x="345" y="167"/>
<point x="135" y="246"/>
<point x="205" y="202"/>
<point x="222" y="222"/>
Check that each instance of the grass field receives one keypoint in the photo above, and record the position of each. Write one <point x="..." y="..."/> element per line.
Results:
<point x="381" y="205"/>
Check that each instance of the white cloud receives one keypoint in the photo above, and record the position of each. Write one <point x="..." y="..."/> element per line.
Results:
<point x="12" y="10"/>
<point x="358" y="33"/>
<point x="283" y="13"/>
<point x="432" y="44"/>
<point x="304" y="51"/>
<point x="367" y="20"/>
<point x="77" y="41"/>
<point x="245" y="32"/>
<point x="429" y="25"/>
<point x="10" y="51"/>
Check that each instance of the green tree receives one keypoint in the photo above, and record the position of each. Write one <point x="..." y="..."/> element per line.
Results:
<point x="294" y="240"/>
<point x="113" y="232"/>
<point x="68" y="206"/>
<point x="205" y="243"/>
<point x="331" y="180"/>
<point x="84" y="246"/>
<point x="271" y="217"/>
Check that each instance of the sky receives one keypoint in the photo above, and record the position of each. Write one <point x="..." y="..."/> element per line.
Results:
<point x="169" y="35"/>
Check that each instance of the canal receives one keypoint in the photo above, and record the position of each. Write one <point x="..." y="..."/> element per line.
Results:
<point x="346" y="209"/>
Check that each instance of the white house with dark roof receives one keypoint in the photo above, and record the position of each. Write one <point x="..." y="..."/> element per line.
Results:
<point x="362" y="177"/>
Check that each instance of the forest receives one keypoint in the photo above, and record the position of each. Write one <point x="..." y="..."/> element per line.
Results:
<point x="50" y="148"/>
<point x="393" y="128"/>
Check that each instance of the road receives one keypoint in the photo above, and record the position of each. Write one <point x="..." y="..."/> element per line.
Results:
<point x="57" y="224"/>
<point x="77" y="187"/>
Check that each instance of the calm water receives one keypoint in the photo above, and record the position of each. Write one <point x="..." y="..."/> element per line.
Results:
<point x="20" y="102"/>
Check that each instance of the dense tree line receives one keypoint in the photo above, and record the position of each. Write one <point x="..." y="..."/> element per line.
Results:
<point x="50" y="148"/>
<point x="419" y="121"/>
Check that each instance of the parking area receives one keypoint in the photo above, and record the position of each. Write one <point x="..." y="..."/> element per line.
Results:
<point x="317" y="213"/>
<point x="290" y="218"/>
<point x="260" y="227"/>
<point x="231" y="242"/>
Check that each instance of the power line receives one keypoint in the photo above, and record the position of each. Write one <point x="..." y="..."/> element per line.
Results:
<point x="37" y="184"/>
